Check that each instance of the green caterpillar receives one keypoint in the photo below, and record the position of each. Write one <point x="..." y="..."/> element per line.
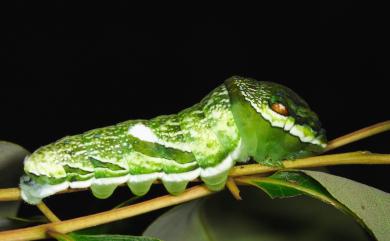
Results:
<point x="241" y="119"/>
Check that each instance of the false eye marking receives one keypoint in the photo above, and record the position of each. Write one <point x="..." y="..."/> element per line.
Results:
<point x="277" y="113"/>
<point x="280" y="108"/>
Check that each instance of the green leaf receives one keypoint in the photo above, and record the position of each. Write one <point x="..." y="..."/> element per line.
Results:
<point x="292" y="183"/>
<point x="288" y="184"/>
<point x="100" y="237"/>
<point x="369" y="206"/>
<point x="11" y="168"/>
<point x="109" y="237"/>
<point x="256" y="218"/>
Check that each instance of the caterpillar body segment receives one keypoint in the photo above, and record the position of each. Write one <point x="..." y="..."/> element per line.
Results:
<point x="237" y="120"/>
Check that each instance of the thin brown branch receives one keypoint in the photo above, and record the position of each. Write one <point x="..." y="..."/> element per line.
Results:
<point x="9" y="194"/>
<point x="60" y="227"/>
<point x="232" y="187"/>
<point x="317" y="161"/>
<point x="58" y="236"/>
<point x="350" y="158"/>
<point x="12" y="194"/>
<point x="358" y="135"/>
<point x="47" y="212"/>
<point x="39" y="232"/>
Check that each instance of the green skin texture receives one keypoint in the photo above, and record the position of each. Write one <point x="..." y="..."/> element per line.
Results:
<point x="230" y="118"/>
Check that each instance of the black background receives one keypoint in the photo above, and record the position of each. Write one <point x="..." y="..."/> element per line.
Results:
<point x="63" y="74"/>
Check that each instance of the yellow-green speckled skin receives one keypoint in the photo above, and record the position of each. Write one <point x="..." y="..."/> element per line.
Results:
<point x="205" y="140"/>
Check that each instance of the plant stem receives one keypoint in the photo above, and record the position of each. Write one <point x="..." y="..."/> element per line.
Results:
<point x="59" y="236"/>
<point x="358" y="135"/>
<point x="39" y="232"/>
<point x="359" y="157"/>
<point x="12" y="194"/>
<point x="317" y="161"/>
<point x="232" y="187"/>
<point x="47" y="212"/>
<point x="9" y="194"/>
<point x="44" y="231"/>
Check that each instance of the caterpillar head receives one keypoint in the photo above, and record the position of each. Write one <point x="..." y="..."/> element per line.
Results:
<point x="275" y="121"/>
<point x="283" y="108"/>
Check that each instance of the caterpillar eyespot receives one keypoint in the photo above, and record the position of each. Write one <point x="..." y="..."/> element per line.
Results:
<point x="231" y="124"/>
<point x="280" y="108"/>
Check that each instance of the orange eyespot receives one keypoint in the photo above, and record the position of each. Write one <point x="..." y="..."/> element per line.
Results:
<point x="279" y="108"/>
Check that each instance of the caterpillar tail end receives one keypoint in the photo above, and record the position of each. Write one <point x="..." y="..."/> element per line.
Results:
<point x="28" y="190"/>
<point x="33" y="192"/>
